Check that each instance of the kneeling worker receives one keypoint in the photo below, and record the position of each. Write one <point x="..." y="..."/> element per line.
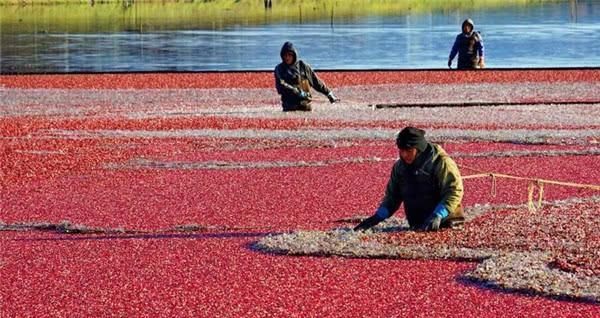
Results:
<point x="294" y="79"/>
<point x="427" y="180"/>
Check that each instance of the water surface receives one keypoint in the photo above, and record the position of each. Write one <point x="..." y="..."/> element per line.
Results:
<point x="544" y="34"/>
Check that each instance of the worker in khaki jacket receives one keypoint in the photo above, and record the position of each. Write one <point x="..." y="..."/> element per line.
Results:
<point x="426" y="180"/>
<point x="294" y="79"/>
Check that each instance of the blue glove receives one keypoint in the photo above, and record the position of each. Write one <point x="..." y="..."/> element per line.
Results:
<point x="441" y="211"/>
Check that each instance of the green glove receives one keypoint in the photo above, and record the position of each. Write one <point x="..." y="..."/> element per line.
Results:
<point x="434" y="223"/>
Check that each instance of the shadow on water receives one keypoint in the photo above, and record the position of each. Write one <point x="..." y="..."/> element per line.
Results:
<point x="221" y="35"/>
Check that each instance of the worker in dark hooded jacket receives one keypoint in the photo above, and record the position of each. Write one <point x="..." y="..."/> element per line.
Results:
<point x="426" y="180"/>
<point x="294" y="79"/>
<point x="469" y="47"/>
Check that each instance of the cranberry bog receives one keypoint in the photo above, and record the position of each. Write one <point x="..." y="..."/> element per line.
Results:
<point x="193" y="195"/>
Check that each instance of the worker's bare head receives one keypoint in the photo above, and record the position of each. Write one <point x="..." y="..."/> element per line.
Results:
<point x="410" y="141"/>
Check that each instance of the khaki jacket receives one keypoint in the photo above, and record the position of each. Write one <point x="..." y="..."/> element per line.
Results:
<point x="432" y="179"/>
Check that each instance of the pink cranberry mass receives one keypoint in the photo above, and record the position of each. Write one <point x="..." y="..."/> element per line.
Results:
<point x="179" y="175"/>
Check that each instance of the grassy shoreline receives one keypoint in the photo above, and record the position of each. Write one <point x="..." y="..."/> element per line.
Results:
<point x="19" y="16"/>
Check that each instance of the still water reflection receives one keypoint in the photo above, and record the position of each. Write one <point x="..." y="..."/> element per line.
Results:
<point x="551" y="34"/>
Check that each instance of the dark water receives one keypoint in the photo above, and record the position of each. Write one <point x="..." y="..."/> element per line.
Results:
<point x="565" y="34"/>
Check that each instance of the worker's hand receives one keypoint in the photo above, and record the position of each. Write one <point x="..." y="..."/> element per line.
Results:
<point x="435" y="220"/>
<point x="368" y="223"/>
<point x="332" y="98"/>
<point x="433" y="224"/>
<point x="302" y="94"/>
<point x="481" y="63"/>
<point x="449" y="63"/>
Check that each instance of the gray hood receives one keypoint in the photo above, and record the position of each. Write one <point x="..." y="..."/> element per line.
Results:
<point x="468" y="22"/>
<point x="289" y="47"/>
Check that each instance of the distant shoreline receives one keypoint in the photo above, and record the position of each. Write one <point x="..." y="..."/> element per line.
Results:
<point x="86" y="16"/>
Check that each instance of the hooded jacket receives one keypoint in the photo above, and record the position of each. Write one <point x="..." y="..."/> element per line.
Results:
<point x="432" y="179"/>
<point x="288" y="79"/>
<point x="468" y="46"/>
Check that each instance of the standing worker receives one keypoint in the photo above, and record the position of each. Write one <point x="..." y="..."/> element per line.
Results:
<point x="469" y="46"/>
<point x="426" y="180"/>
<point x="294" y="79"/>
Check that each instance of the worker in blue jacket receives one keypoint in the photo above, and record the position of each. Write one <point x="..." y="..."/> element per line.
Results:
<point x="469" y="47"/>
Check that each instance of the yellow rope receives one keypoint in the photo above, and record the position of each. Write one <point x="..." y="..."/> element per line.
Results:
<point x="540" y="194"/>
<point x="530" y="197"/>
<point x="546" y="181"/>
<point x="530" y="190"/>
<point x="493" y="190"/>
<point x="483" y="174"/>
<point x="533" y="184"/>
